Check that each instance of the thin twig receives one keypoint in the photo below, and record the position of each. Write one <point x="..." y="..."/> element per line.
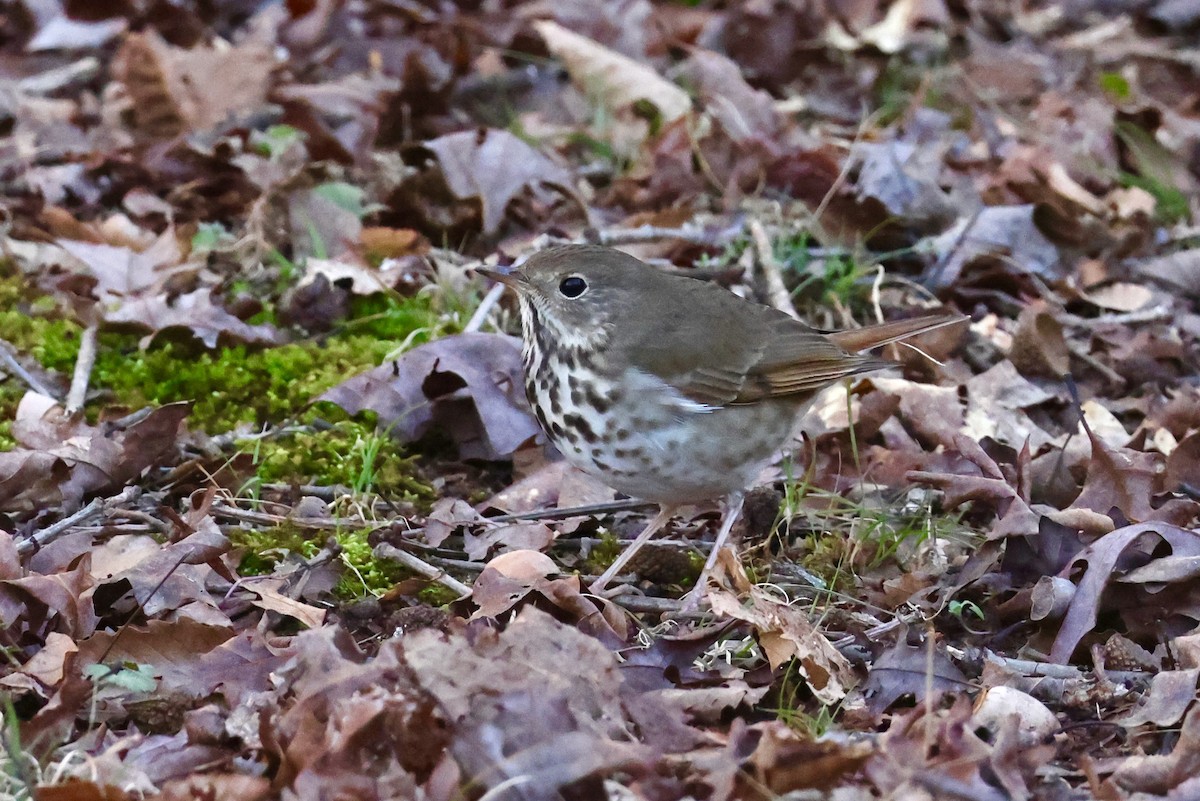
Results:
<point x="99" y="506"/>
<point x="1032" y="669"/>
<point x="14" y="367"/>
<point x="267" y="519"/>
<point x="326" y="523"/>
<point x="485" y="308"/>
<point x="654" y="233"/>
<point x="53" y="80"/>
<point x="1154" y="314"/>
<point x="777" y="292"/>
<point x="386" y="550"/>
<point x="84" y="362"/>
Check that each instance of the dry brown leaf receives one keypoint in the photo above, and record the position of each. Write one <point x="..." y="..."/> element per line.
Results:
<point x="470" y="385"/>
<point x="176" y="90"/>
<point x="1101" y="559"/>
<point x="63" y="461"/>
<point x="271" y="599"/>
<point x="615" y="79"/>
<point x="784" y="632"/>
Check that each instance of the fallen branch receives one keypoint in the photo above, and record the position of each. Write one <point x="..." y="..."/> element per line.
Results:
<point x="13" y="366"/>
<point x="777" y="291"/>
<point x="386" y="550"/>
<point x="84" y="362"/>
<point x="99" y="506"/>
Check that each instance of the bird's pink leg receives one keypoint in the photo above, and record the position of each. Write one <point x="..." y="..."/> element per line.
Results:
<point x="733" y="509"/>
<point x="660" y="520"/>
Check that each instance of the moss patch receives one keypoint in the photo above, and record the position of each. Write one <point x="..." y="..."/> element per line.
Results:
<point x="230" y="386"/>
<point x="351" y="453"/>
<point x="362" y="573"/>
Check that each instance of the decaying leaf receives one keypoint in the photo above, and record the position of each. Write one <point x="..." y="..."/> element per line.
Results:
<point x="63" y="461"/>
<point x="785" y="634"/>
<point x="469" y="385"/>
<point x="616" y="79"/>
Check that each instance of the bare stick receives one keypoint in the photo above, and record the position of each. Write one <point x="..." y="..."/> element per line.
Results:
<point x="654" y="233"/>
<point x="10" y="362"/>
<point x="485" y="308"/>
<point x="733" y="509"/>
<point x="84" y="363"/>
<point x="386" y="550"/>
<point x="777" y="292"/>
<point x="52" y="532"/>
<point x="660" y="520"/>
<point x="1153" y="314"/>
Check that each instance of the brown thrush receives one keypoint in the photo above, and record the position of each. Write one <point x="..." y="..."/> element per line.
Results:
<point x="667" y="388"/>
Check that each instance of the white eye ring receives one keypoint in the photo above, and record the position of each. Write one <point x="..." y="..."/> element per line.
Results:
<point x="572" y="286"/>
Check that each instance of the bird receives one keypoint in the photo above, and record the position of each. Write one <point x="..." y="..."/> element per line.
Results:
<point x="671" y="389"/>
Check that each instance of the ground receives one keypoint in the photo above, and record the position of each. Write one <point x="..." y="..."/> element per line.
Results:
<point x="277" y="522"/>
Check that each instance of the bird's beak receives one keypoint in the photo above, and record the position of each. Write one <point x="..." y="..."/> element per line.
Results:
<point x="505" y="275"/>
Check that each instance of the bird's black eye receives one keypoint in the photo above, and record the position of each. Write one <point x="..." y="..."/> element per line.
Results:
<point x="572" y="286"/>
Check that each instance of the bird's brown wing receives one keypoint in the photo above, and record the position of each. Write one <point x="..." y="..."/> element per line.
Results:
<point x="745" y="353"/>
<point x="751" y="352"/>
<point x="799" y="360"/>
<point x="806" y="361"/>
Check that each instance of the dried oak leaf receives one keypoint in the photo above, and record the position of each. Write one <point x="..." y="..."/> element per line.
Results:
<point x="486" y="168"/>
<point x="783" y="760"/>
<point x="784" y="632"/>
<point x="171" y="577"/>
<point x="512" y="577"/>
<point x="1171" y="694"/>
<point x="194" y="312"/>
<point x="46" y="669"/>
<point x="121" y="272"/>
<point x="1102" y="558"/>
<point x="615" y="79"/>
<point x="907" y="669"/>
<point x="59" y="461"/>
<point x="745" y="113"/>
<point x="1126" y="480"/>
<point x="468" y="385"/>
<point x="216" y="785"/>
<point x="176" y="90"/>
<point x="351" y="726"/>
<point x="133" y="288"/>
<point x="1039" y="348"/>
<point x="539" y="701"/>
<point x="931" y="747"/>
<point x="191" y="659"/>
<point x="1008" y="232"/>
<point x="1180" y="271"/>
<point x="1173" y="775"/>
<point x="340" y="117"/>
<point x="34" y="606"/>
<point x="527" y="535"/>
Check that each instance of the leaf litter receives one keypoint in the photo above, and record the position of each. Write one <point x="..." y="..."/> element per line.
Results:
<point x="976" y="576"/>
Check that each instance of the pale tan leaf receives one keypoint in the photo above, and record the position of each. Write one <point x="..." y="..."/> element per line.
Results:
<point x="616" y="79"/>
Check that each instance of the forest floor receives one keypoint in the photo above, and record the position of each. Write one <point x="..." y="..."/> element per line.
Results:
<point x="276" y="520"/>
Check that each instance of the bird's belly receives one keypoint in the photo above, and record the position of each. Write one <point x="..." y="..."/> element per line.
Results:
<point x="664" y="454"/>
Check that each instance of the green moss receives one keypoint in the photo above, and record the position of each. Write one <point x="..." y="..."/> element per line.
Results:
<point x="53" y="343"/>
<point x="232" y="385"/>
<point x="247" y="386"/>
<point x="365" y="574"/>
<point x="437" y="595"/>
<point x="362" y="575"/>
<point x="604" y="553"/>
<point x="10" y="395"/>
<point x="351" y="453"/>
